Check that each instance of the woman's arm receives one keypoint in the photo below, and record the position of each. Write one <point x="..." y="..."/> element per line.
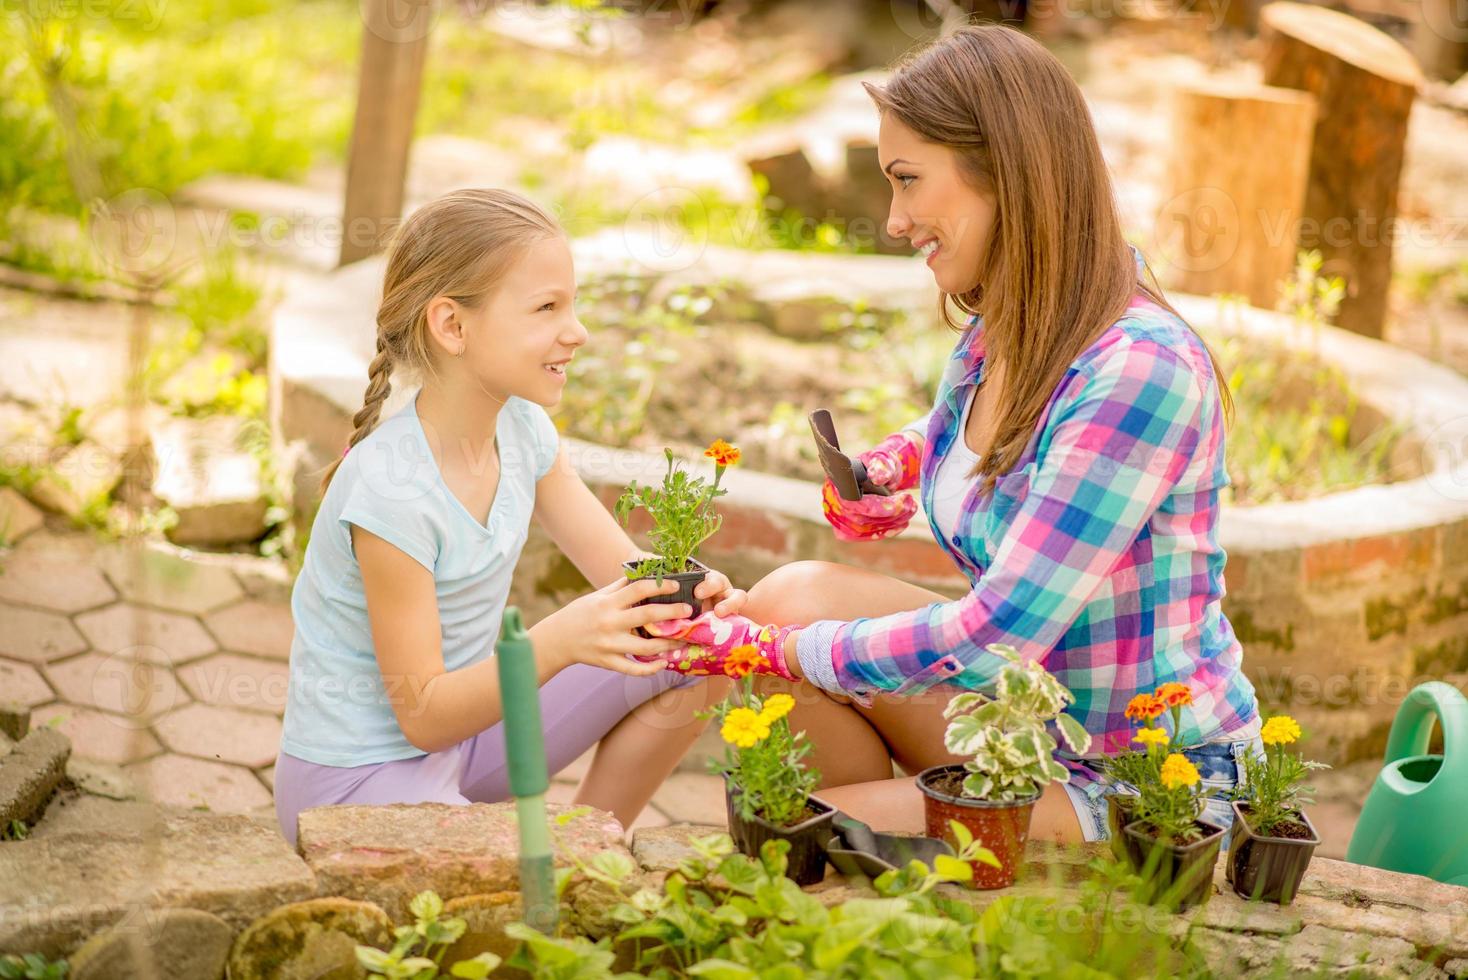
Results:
<point x="1112" y="452"/>
<point x="588" y="534"/>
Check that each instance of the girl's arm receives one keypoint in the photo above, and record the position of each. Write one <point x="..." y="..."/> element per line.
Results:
<point x="588" y="534"/>
<point x="436" y="708"/>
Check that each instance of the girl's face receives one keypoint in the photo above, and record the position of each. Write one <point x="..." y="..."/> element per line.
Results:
<point x="520" y="341"/>
<point x="934" y="206"/>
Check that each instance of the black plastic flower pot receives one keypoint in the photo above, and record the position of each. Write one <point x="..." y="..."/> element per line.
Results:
<point x="1118" y="815"/>
<point x="1177" y="874"/>
<point x="687" y="582"/>
<point x="1268" y="868"/>
<point x="806" y="861"/>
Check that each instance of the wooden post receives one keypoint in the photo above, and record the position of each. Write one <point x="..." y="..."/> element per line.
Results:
<point x="1240" y="158"/>
<point x="1364" y="83"/>
<point x="394" y="44"/>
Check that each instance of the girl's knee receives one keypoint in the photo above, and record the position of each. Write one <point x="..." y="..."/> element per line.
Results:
<point x="785" y="594"/>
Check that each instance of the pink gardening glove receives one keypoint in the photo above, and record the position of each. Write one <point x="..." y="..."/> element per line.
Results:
<point x="893" y="463"/>
<point x="732" y="646"/>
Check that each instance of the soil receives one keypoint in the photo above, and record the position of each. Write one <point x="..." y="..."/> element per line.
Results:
<point x="1290" y="829"/>
<point x="1191" y="836"/>
<point x="950" y="783"/>
<point x="809" y="813"/>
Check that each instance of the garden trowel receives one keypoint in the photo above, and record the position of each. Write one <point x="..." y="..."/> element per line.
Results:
<point x="857" y="849"/>
<point x="847" y="475"/>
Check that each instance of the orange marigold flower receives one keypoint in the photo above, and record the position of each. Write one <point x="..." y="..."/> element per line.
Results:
<point x="722" y="453"/>
<point x="743" y="660"/>
<point x="1144" y="707"/>
<point x="1174" y="695"/>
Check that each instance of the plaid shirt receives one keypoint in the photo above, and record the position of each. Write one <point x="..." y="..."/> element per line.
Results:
<point x="1097" y="554"/>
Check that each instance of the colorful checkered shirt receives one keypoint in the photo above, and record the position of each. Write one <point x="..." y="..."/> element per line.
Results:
<point x="1097" y="554"/>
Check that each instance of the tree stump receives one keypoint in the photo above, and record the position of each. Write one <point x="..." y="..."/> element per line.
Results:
<point x="1364" y="83"/>
<point x="1241" y="155"/>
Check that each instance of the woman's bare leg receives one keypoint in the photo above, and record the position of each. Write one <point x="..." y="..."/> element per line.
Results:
<point x="634" y="758"/>
<point x="896" y="805"/>
<point x="908" y="730"/>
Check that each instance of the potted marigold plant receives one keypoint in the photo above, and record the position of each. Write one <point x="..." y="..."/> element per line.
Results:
<point x="1273" y="839"/>
<point x="1129" y="769"/>
<point x="1179" y="848"/>
<point x="993" y="794"/>
<point x="683" y="518"/>
<point x="767" y="786"/>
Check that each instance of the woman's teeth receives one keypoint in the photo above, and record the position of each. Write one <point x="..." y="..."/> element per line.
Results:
<point x="556" y="368"/>
<point x="929" y="249"/>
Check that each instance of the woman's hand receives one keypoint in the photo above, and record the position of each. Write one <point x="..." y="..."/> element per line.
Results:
<point x="596" y="629"/>
<point x="732" y="646"/>
<point x="718" y="595"/>
<point x="893" y="463"/>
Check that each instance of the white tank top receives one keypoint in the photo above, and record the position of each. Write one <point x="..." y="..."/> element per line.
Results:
<point x="951" y="483"/>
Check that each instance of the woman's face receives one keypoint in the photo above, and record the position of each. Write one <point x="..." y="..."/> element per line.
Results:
<point x="934" y="206"/>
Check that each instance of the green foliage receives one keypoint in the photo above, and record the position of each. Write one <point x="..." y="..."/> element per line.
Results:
<point x="682" y="514"/>
<point x="32" y="966"/>
<point x="1172" y="809"/>
<point x="1012" y="753"/>
<point x="771" y="777"/>
<point x="1273" y="787"/>
<point x="17" y="830"/>
<point x="418" y="951"/>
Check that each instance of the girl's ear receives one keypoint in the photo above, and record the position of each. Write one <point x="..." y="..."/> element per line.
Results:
<point x="445" y="327"/>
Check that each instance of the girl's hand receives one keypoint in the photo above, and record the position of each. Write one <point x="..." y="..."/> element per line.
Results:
<point x="894" y="464"/>
<point x="719" y="596"/>
<point x="596" y="629"/>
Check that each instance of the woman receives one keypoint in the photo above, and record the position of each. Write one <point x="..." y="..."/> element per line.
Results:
<point x="1071" y="465"/>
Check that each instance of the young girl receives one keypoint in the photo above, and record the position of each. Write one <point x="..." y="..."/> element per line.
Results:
<point x="394" y="694"/>
<point x="1070" y="467"/>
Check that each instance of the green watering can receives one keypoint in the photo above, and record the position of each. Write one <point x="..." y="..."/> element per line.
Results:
<point x="1414" y="815"/>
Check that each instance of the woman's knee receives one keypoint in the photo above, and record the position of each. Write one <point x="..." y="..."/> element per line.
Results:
<point x="787" y="594"/>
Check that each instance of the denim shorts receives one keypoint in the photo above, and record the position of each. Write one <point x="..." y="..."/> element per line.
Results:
<point x="1218" y="764"/>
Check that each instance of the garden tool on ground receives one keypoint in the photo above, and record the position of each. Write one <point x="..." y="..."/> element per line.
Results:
<point x="857" y="849"/>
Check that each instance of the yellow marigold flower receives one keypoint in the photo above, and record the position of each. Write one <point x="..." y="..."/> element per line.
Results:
<point x="1174" y="695"/>
<point x="743" y="660"/>
<point x="777" y="706"/>
<point x="1144" y="707"/>
<point x="744" y="728"/>
<point x="1280" y="730"/>
<point x="722" y="453"/>
<point x="1178" y="771"/>
<point x="1151" y="736"/>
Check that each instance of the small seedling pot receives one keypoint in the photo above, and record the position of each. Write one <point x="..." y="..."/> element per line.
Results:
<point x="806" y="861"/>
<point x="1268" y="868"/>
<point x="1118" y="815"/>
<point x="1180" y="874"/>
<point x="1001" y="826"/>
<point x="687" y="582"/>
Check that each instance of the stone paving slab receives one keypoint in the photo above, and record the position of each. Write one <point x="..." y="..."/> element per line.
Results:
<point x="206" y="731"/>
<point x="23" y="684"/>
<point x="254" y="626"/>
<point x="146" y="634"/>
<point x="37" y="636"/>
<point x="179" y="780"/>
<point x="165" y="578"/>
<point x="49" y="580"/>
<point x="225" y="864"/>
<point x="100" y="736"/>
<point x="17" y="516"/>
<point x="233" y="681"/>
<point x="137" y="690"/>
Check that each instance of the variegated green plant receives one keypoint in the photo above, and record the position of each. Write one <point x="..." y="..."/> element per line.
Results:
<point x="1011" y="752"/>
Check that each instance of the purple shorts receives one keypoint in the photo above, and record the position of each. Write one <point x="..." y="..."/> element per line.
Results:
<point x="577" y="707"/>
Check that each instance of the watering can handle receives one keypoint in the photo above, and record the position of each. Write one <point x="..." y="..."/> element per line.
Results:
<point x="1412" y="727"/>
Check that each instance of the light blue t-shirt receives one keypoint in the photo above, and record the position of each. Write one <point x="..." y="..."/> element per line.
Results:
<point x="339" y="711"/>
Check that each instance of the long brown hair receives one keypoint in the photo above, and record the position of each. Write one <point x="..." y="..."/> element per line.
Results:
<point x="1058" y="270"/>
<point x="458" y="246"/>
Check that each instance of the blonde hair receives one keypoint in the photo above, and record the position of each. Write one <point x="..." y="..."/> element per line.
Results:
<point x="1058" y="270"/>
<point x="458" y="246"/>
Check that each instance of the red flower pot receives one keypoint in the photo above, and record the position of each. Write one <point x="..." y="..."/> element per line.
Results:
<point x="1002" y="827"/>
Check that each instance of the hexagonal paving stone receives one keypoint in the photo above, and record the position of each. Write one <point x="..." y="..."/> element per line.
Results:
<point x="249" y="738"/>
<point x="99" y="735"/>
<point x="137" y="690"/>
<point x="161" y="577"/>
<point x="58" y="581"/>
<point x="261" y="628"/>
<point x="181" y="781"/>
<point x="17" y="517"/>
<point x="146" y="634"/>
<point x="232" y="681"/>
<point x="23" y="683"/>
<point x="29" y="634"/>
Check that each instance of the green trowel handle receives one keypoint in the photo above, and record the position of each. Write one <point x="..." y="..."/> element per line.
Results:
<point x="520" y="695"/>
<point x="1411" y="731"/>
